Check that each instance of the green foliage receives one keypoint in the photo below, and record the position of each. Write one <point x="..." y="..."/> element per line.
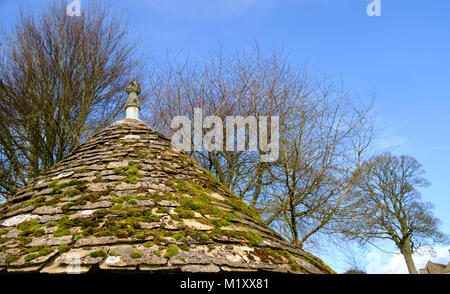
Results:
<point x="26" y="225"/>
<point x="98" y="253"/>
<point x="252" y="238"/>
<point x="25" y="241"/>
<point x="131" y="179"/>
<point x="131" y="172"/>
<point x="51" y="224"/>
<point x="184" y="213"/>
<point x="81" y="170"/>
<point x="185" y="247"/>
<point x="117" y="207"/>
<point x="53" y="184"/>
<point x="172" y="250"/>
<point x="149" y="244"/>
<point x="136" y="254"/>
<point x="120" y="199"/>
<point x="178" y="236"/>
<point x="38" y="251"/>
<point x="151" y="218"/>
<point x="72" y="192"/>
<point x="61" y="231"/>
<point x="162" y="210"/>
<point x="38" y="199"/>
<point x="11" y="258"/>
<point x="64" y="185"/>
<point x="63" y="248"/>
<point x="220" y="223"/>
<point x="142" y="235"/>
<point x="198" y="236"/>
<point x="77" y="237"/>
<point x="318" y="263"/>
<point x="26" y="203"/>
<point x="30" y="228"/>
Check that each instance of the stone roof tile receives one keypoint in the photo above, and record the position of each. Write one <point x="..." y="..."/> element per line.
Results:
<point x="124" y="200"/>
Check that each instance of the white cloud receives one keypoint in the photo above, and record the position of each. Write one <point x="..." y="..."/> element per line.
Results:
<point x="397" y="265"/>
<point x="437" y="148"/>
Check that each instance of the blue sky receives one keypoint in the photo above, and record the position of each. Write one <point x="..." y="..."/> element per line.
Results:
<point x="403" y="55"/>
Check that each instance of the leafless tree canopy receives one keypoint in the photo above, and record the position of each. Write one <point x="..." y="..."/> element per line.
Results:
<point x="390" y="206"/>
<point x="324" y="133"/>
<point x="61" y="79"/>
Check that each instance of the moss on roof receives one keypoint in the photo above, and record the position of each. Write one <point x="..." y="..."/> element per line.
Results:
<point x="126" y="200"/>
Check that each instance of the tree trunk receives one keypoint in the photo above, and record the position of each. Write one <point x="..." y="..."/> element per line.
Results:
<point x="293" y="221"/>
<point x="407" y="254"/>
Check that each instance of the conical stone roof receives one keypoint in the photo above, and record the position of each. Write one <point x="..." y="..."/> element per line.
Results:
<point x="125" y="201"/>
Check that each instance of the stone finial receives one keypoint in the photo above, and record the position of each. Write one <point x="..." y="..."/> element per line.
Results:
<point x="133" y="106"/>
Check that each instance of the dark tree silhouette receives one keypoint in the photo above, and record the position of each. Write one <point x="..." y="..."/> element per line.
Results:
<point x="61" y="79"/>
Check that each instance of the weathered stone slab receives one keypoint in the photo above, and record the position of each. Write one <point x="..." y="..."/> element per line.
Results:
<point x="211" y="268"/>
<point x="50" y="240"/>
<point x="66" y="269"/>
<point x="82" y="214"/>
<point x="11" y="234"/>
<point x="146" y="203"/>
<point x="193" y="256"/>
<point x="20" y="211"/>
<point x="259" y="260"/>
<point x="79" y="256"/>
<point x="41" y="259"/>
<point x="92" y="205"/>
<point x="93" y="241"/>
<point x="169" y="224"/>
<point x="112" y="178"/>
<point x="50" y="218"/>
<point x="28" y="269"/>
<point x="227" y="255"/>
<point x="196" y="225"/>
<point x="117" y="164"/>
<point x="63" y="175"/>
<point x="44" y="192"/>
<point x="98" y="187"/>
<point x="217" y="196"/>
<point x="167" y="203"/>
<point x="126" y="186"/>
<point x="148" y="256"/>
<point x="149" y="226"/>
<point x="47" y="210"/>
<point x="15" y="220"/>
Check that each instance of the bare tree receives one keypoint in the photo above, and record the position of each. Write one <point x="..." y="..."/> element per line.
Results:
<point x="245" y="83"/>
<point x="324" y="133"/>
<point x="390" y="206"/>
<point x="322" y="146"/>
<point x="62" y="79"/>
